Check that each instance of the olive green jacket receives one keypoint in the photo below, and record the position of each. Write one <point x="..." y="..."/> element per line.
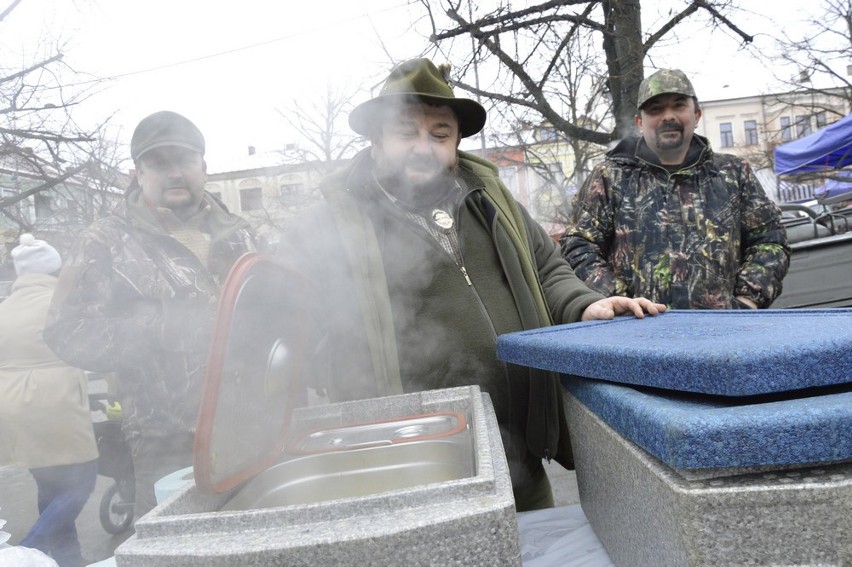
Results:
<point x="403" y="316"/>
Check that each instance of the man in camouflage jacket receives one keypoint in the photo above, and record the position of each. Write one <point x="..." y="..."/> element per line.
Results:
<point x="138" y="295"/>
<point x="663" y="217"/>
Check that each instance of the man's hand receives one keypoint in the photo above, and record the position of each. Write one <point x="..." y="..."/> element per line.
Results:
<point x="617" y="305"/>
<point x="746" y="301"/>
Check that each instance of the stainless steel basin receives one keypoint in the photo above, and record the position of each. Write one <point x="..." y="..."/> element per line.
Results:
<point x="357" y="472"/>
<point x="375" y="433"/>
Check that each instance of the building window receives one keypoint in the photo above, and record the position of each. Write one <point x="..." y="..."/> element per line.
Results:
<point x="726" y="135"/>
<point x="750" y="127"/>
<point x="251" y="199"/>
<point x="803" y="125"/>
<point x="73" y="206"/>
<point x="509" y="176"/>
<point x="550" y="176"/>
<point x="548" y="134"/>
<point x="292" y="188"/>
<point x="43" y="206"/>
<point x="786" y="130"/>
<point x="821" y="120"/>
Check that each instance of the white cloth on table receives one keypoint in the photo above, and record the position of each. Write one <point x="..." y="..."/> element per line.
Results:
<point x="560" y="537"/>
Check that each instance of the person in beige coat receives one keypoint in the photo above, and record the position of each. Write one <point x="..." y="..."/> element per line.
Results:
<point x="45" y="418"/>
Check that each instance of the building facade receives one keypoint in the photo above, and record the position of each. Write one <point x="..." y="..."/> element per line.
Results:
<point x="266" y="191"/>
<point x="752" y="127"/>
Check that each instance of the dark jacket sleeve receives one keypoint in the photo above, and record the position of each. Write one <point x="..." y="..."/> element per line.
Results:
<point x="765" y="252"/>
<point x="96" y="320"/>
<point x="589" y="236"/>
<point x="566" y="295"/>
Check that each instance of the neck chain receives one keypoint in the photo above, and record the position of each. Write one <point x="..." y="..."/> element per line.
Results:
<point x="440" y="217"/>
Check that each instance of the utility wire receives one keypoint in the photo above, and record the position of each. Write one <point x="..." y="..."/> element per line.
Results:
<point x="236" y="49"/>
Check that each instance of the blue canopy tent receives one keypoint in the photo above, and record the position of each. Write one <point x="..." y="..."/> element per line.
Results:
<point x="829" y="148"/>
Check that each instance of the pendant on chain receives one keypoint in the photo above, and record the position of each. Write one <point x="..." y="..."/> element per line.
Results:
<point x="442" y="218"/>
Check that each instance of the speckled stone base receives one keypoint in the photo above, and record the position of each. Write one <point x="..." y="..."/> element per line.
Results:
<point x="648" y="514"/>
<point x="466" y="522"/>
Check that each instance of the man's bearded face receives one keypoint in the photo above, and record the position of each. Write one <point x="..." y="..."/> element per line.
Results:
<point x="668" y="122"/>
<point x="417" y="147"/>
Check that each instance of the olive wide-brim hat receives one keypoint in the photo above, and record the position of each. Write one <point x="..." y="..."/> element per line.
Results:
<point x="418" y="80"/>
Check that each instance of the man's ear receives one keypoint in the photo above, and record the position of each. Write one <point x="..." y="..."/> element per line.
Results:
<point x="638" y="120"/>
<point x="697" y="116"/>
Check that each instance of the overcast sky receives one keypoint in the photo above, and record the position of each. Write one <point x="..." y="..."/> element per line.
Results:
<point x="229" y="66"/>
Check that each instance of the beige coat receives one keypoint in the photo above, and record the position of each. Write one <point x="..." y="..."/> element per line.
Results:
<point x="44" y="406"/>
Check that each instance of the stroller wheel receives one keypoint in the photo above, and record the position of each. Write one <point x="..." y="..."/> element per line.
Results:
<point x="116" y="513"/>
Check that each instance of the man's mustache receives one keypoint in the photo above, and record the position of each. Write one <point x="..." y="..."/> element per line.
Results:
<point x="422" y="163"/>
<point x="670" y="127"/>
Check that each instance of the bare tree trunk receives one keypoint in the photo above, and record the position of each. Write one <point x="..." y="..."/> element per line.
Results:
<point x="622" y="44"/>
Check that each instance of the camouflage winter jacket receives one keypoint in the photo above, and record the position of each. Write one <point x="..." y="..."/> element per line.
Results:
<point x="133" y="300"/>
<point x="692" y="239"/>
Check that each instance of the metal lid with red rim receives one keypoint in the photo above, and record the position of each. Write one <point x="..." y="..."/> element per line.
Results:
<point x="254" y="373"/>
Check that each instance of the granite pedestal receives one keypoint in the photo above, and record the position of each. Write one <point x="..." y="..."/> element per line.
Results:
<point x="468" y="521"/>
<point x="709" y="438"/>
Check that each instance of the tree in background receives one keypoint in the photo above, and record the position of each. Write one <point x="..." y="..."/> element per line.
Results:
<point x="821" y="54"/>
<point x="55" y="177"/>
<point x="322" y="125"/>
<point x="322" y="141"/>
<point x="812" y="65"/>
<point x="532" y="54"/>
<point x="574" y="65"/>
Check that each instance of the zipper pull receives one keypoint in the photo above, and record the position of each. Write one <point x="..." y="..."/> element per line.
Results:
<point x="467" y="279"/>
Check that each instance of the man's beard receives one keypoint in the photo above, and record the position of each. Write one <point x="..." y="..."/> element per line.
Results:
<point x="669" y="143"/>
<point x="417" y="194"/>
<point x="183" y="206"/>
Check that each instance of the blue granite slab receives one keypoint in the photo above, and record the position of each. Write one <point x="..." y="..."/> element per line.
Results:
<point x="702" y="432"/>
<point x="729" y="353"/>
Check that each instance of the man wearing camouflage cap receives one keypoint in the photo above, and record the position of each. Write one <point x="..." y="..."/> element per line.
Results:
<point x="664" y="217"/>
<point x="138" y="294"/>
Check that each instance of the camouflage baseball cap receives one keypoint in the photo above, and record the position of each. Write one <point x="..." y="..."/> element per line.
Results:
<point x="664" y="81"/>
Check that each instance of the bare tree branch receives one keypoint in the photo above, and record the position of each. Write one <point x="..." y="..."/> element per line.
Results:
<point x="728" y="23"/>
<point x="54" y="176"/>
<point x="669" y="26"/>
<point x="48" y="184"/>
<point x="500" y="21"/>
<point x="9" y="9"/>
<point x="538" y="100"/>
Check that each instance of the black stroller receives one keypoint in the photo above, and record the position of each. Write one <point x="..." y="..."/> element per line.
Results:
<point x="114" y="461"/>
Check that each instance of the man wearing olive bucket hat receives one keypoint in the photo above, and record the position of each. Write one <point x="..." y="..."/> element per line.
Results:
<point x="422" y="257"/>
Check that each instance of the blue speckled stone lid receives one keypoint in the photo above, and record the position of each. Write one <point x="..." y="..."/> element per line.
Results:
<point x="728" y="353"/>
